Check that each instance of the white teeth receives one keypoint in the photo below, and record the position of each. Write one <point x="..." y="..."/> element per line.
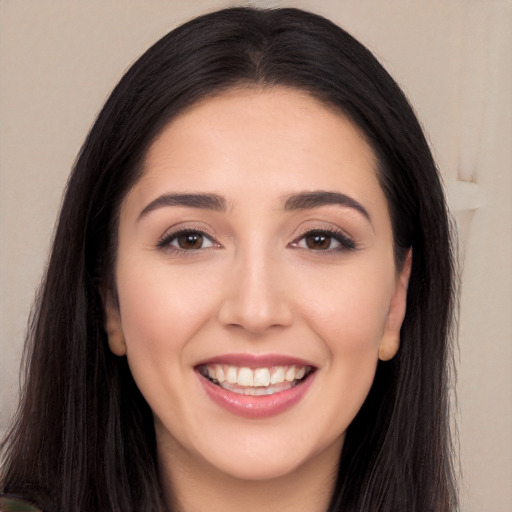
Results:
<point x="261" y="377"/>
<point x="277" y="376"/>
<point x="299" y="374"/>
<point x="231" y="375"/>
<point x="219" y="373"/>
<point x="263" y="390"/>
<point x="290" y="374"/>
<point x="245" y="377"/>
<point x="228" y="375"/>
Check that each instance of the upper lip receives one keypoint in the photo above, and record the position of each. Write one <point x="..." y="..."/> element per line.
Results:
<point x="256" y="360"/>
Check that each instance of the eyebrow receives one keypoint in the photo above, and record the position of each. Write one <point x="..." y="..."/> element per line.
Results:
<point x="203" y="201"/>
<point x="307" y="200"/>
<point x="299" y="201"/>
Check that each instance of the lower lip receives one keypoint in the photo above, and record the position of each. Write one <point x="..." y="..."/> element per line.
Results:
<point x="262" y="406"/>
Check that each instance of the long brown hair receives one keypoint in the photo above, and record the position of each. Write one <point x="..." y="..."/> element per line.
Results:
<point x="83" y="439"/>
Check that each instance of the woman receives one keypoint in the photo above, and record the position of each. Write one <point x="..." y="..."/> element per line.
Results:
<point x="249" y="297"/>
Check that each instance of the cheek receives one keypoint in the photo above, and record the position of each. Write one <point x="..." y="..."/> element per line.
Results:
<point x="161" y="309"/>
<point x="348" y="307"/>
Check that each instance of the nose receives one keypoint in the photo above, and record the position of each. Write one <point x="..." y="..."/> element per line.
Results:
<point x="257" y="297"/>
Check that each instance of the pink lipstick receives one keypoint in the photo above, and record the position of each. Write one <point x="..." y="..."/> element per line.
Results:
<point x="255" y="386"/>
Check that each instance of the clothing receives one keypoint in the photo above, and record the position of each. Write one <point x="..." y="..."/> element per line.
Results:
<point x="10" y="503"/>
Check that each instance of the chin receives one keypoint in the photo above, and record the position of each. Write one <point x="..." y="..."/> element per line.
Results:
<point x="259" y="469"/>
<point x="271" y="459"/>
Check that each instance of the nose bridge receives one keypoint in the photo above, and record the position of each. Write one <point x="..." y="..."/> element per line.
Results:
<point x="257" y="297"/>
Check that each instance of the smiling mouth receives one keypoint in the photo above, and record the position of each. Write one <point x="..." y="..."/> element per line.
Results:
<point x="255" y="381"/>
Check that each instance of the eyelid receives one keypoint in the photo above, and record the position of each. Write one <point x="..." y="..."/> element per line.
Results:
<point x="346" y="242"/>
<point x="171" y="234"/>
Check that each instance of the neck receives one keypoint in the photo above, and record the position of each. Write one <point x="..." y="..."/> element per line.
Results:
<point x="192" y="485"/>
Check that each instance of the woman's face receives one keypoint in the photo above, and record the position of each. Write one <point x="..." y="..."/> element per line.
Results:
<point x="256" y="283"/>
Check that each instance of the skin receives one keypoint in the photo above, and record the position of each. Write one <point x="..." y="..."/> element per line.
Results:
<point x="255" y="286"/>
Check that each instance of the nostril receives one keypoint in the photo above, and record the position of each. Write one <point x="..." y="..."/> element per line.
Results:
<point x="255" y="316"/>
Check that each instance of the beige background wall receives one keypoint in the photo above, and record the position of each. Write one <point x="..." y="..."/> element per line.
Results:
<point x="59" y="60"/>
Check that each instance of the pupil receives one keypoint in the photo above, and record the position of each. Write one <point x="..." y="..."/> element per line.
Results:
<point x="190" y="241"/>
<point x="318" y="241"/>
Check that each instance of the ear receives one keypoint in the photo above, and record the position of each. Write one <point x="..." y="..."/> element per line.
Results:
<point x="390" y="342"/>
<point x="113" y="326"/>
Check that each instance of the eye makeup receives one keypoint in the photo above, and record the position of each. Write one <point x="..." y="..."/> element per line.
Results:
<point x="187" y="240"/>
<point x="324" y="240"/>
<point x="318" y="240"/>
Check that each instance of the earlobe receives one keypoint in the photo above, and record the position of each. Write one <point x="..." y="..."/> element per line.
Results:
<point x="113" y="326"/>
<point x="390" y="342"/>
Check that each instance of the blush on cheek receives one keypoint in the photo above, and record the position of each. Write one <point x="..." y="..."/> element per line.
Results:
<point x="351" y="327"/>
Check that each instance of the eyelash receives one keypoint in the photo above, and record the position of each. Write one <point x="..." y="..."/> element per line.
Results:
<point x="345" y="243"/>
<point x="166" y="241"/>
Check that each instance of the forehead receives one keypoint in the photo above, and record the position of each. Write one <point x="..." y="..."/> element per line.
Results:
<point x="267" y="141"/>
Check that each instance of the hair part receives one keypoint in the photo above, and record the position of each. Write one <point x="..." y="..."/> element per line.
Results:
<point x="84" y="437"/>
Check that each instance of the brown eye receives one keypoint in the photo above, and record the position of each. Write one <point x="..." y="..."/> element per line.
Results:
<point x="190" y="241"/>
<point x="318" y="241"/>
<point x="325" y="240"/>
<point x="186" y="240"/>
